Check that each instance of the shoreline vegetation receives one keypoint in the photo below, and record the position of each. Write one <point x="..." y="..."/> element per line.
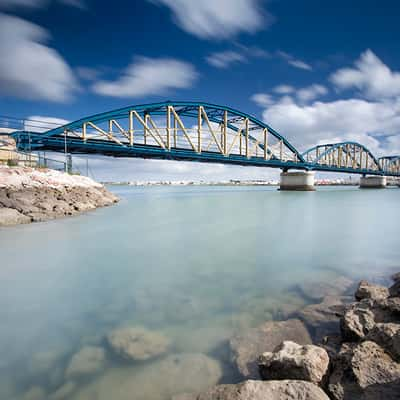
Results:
<point x="33" y="195"/>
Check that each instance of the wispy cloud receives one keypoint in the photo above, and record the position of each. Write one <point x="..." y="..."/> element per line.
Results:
<point x="218" y="19"/>
<point x="149" y="76"/>
<point x="294" y="62"/>
<point x="242" y="54"/>
<point x="224" y="59"/>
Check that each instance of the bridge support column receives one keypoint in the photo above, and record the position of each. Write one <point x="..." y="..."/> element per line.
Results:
<point x="303" y="181"/>
<point x="373" y="182"/>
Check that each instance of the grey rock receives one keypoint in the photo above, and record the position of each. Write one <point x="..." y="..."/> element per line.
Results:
<point x="248" y="347"/>
<point x="137" y="343"/>
<point x="357" y="321"/>
<point x="364" y="372"/>
<point x="396" y="277"/>
<point x="388" y="337"/>
<point x="292" y="361"/>
<point x="265" y="390"/>
<point x="394" y="290"/>
<point x="366" y="290"/>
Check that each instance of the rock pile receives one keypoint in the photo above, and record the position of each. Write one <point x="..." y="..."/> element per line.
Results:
<point x="358" y="360"/>
<point x="31" y="195"/>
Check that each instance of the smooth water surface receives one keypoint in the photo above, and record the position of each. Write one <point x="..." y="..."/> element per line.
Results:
<point x="198" y="264"/>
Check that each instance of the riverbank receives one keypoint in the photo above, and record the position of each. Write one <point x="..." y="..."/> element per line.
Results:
<point x="33" y="195"/>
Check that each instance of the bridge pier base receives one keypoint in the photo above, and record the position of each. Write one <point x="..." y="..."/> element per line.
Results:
<point x="302" y="181"/>
<point x="373" y="182"/>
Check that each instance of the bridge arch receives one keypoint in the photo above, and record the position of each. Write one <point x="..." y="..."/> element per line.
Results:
<point x="390" y="164"/>
<point x="169" y="125"/>
<point x="344" y="155"/>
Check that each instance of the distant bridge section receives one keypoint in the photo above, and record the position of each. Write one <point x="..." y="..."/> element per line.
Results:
<point x="197" y="131"/>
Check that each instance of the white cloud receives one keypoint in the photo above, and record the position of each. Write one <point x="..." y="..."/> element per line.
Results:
<point x="28" y="68"/>
<point x="284" y="89"/>
<point x="217" y="19"/>
<point x="311" y="92"/>
<point x="38" y="123"/>
<point x="262" y="99"/>
<point x="146" y="76"/>
<point x="293" y="61"/>
<point x="370" y="76"/>
<point x="224" y="59"/>
<point x="321" y="122"/>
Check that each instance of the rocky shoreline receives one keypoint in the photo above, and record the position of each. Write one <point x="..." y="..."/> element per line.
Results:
<point x="338" y="349"/>
<point x="33" y="195"/>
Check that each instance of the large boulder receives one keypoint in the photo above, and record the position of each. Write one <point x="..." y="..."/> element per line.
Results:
<point x="263" y="390"/>
<point x="366" y="290"/>
<point x="364" y="372"/>
<point x="292" y="361"/>
<point x="396" y="277"/>
<point x="89" y="360"/>
<point x="323" y="319"/>
<point x="388" y="337"/>
<point x="247" y="348"/>
<point x="137" y="343"/>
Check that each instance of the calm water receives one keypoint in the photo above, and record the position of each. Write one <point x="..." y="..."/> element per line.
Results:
<point x="197" y="264"/>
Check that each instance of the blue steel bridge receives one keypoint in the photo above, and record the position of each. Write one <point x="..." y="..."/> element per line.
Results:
<point x="196" y="131"/>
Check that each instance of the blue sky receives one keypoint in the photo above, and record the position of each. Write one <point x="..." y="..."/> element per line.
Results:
<point x="315" y="71"/>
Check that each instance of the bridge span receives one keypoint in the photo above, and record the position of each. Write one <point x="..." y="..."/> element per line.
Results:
<point x="197" y="131"/>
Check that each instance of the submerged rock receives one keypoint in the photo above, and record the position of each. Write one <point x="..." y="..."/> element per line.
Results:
<point x="137" y="343"/>
<point x="158" y="380"/>
<point x="292" y="361"/>
<point x="367" y="290"/>
<point x="64" y="392"/>
<point x="247" y="348"/>
<point x="364" y="371"/>
<point x="34" y="393"/>
<point x="318" y="290"/>
<point x="323" y="319"/>
<point x="87" y="361"/>
<point x="262" y="390"/>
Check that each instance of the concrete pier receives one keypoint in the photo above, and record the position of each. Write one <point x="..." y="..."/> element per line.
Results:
<point x="303" y="181"/>
<point x="373" y="182"/>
